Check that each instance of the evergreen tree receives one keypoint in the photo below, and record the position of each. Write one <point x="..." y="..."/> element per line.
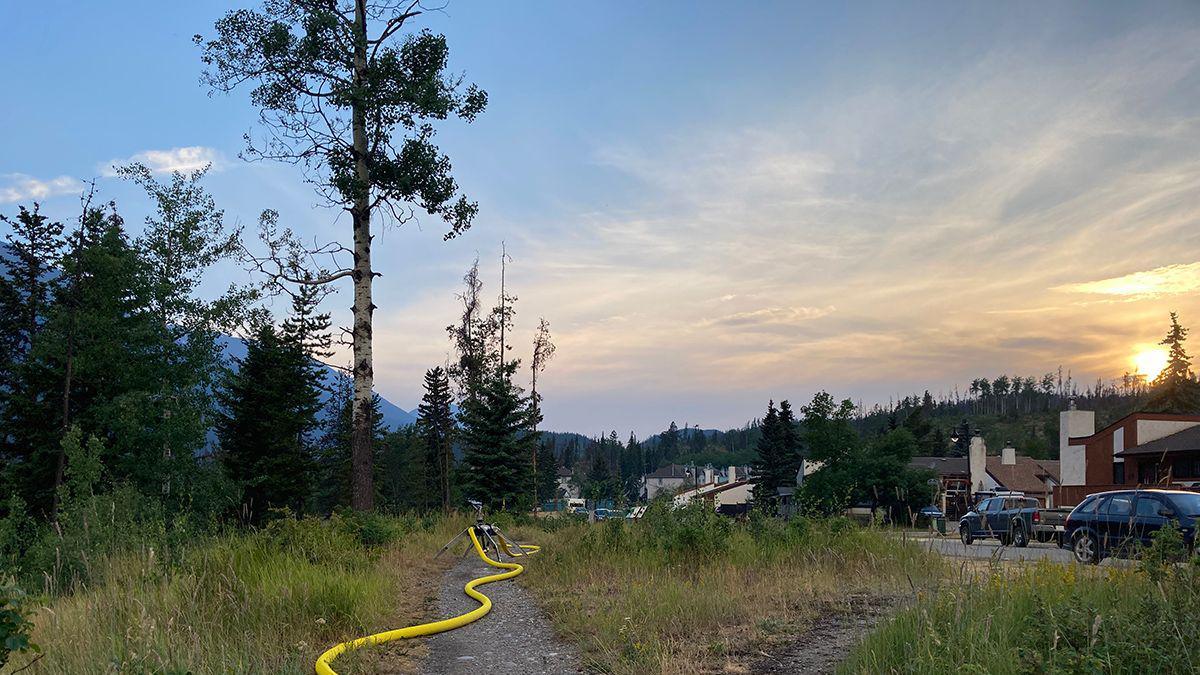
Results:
<point x="498" y="420"/>
<point x="547" y="477"/>
<point x="599" y="479"/>
<point x="789" y="441"/>
<point x="765" y="468"/>
<point x="495" y="421"/>
<point x="435" y="424"/>
<point x="669" y="443"/>
<point x="570" y="455"/>
<point x="269" y="408"/>
<point x="404" y="477"/>
<point x="1175" y="388"/>
<point x="98" y="319"/>
<point x="28" y="281"/>
<point x="28" y="264"/>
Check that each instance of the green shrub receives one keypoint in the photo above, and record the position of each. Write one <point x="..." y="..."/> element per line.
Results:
<point x="14" y="624"/>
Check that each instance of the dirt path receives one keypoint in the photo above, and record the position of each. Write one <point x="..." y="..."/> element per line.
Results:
<point x="514" y="638"/>
<point x="827" y="643"/>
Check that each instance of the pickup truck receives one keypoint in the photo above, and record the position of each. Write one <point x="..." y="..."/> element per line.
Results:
<point x="1013" y="519"/>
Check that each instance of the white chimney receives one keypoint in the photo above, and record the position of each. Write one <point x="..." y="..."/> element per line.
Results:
<point x="731" y="473"/>
<point x="1074" y="423"/>
<point x="977" y="460"/>
<point x="708" y="475"/>
<point x="1008" y="454"/>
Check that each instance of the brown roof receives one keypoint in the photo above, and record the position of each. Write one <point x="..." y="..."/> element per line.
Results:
<point x="564" y="472"/>
<point x="1027" y="475"/>
<point x="1188" y="439"/>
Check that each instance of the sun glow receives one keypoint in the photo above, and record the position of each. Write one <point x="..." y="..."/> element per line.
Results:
<point x="1150" y="362"/>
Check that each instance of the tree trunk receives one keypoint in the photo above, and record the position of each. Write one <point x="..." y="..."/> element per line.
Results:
<point x="362" y="489"/>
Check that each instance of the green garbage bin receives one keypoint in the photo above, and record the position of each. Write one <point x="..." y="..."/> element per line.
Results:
<point x="940" y="523"/>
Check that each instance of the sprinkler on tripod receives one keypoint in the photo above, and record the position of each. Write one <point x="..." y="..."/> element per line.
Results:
<point x="488" y="534"/>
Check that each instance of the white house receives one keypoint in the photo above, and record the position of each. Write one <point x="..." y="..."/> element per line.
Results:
<point x="667" y="480"/>
<point x="566" y="488"/>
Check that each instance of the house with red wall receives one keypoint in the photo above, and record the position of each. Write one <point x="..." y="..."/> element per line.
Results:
<point x="1140" y="449"/>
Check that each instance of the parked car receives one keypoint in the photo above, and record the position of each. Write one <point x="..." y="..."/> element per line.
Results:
<point x="932" y="512"/>
<point x="1002" y="518"/>
<point x="1117" y="523"/>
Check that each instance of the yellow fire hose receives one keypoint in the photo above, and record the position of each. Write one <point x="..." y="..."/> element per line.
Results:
<point x="433" y="627"/>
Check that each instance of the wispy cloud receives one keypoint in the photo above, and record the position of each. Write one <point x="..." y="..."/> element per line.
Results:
<point x="16" y="187"/>
<point x="1158" y="282"/>
<point x="183" y="159"/>
<point x="773" y="316"/>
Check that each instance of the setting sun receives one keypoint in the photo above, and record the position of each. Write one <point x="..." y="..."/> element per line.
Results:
<point x="1150" y="362"/>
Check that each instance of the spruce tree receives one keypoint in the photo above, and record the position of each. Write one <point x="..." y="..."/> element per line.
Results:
<point x="495" y="421"/>
<point x="789" y="446"/>
<point x="1175" y="388"/>
<point x="599" y="479"/>
<point x="547" y="477"/>
<point x="770" y="449"/>
<point x="98" y="319"/>
<point x="435" y="424"/>
<point x="669" y="443"/>
<point x="269" y="408"/>
<point x="28" y="278"/>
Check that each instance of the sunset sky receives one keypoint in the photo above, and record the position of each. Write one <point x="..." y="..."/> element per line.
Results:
<point x="715" y="203"/>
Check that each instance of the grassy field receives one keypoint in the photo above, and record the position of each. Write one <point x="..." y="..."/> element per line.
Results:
<point x="689" y="591"/>
<point x="268" y="601"/>
<point x="1046" y="618"/>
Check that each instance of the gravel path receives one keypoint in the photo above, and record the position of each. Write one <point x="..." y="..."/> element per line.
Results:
<point x="823" y="646"/>
<point x="514" y="638"/>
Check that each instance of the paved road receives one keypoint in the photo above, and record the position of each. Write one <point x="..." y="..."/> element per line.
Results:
<point x="991" y="549"/>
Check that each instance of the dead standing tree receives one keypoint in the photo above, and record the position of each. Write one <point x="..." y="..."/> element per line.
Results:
<point x="543" y="350"/>
<point x="354" y="108"/>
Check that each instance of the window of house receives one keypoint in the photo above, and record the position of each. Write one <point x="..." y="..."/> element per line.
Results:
<point x="1118" y="473"/>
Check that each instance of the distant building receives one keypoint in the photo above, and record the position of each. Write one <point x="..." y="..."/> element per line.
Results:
<point x="567" y="489"/>
<point x="1010" y="472"/>
<point x="726" y="497"/>
<point x="1148" y="449"/>
<point x="667" y="480"/>
<point x="953" y="482"/>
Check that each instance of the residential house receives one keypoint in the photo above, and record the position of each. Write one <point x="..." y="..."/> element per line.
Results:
<point x="567" y="489"/>
<point x="1148" y="449"/>
<point x="953" y="478"/>
<point x="667" y="480"/>
<point x="1036" y="478"/>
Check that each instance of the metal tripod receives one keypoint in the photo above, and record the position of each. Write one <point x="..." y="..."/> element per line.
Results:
<point x="489" y="536"/>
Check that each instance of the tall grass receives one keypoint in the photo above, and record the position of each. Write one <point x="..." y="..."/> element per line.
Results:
<point x="684" y="589"/>
<point x="1046" y="618"/>
<point x="267" y="601"/>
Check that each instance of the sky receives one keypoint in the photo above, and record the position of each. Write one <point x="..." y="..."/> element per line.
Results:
<point x="712" y="204"/>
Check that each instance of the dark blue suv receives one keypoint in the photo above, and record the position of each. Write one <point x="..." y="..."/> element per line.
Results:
<point x="1119" y="522"/>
